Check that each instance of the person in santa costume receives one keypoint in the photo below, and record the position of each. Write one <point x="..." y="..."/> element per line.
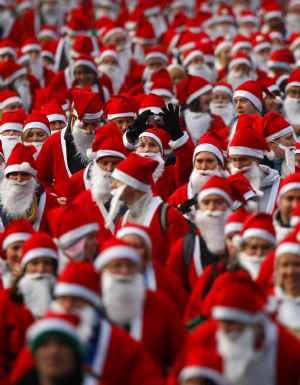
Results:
<point x="132" y="186"/>
<point x="240" y="70"/>
<point x="29" y="297"/>
<point x="194" y="251"/>
<point x="121" y="109"/>
<point x="254" y="348"/>
<point x="291" y="105"/>
<point x="128" y="304"/>
<point x="64" y="153"/>
<point x="11" y="128"/>
<point x="9" y="101"/>
<point x="55" y="115"/>
<point x="245" y="152"/>
<point x="222" y="102"/>
<point x="20" y="193"/>
<point x="194" y="63"/>
<point x="12" y="239"/>
<point x="194" y="96"/>
<point x="156" y="278"/>
<point x="11" y="27"/>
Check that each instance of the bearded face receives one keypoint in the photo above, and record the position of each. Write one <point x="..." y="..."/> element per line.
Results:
<point x="83" y="140"/>
<point x="101" y="184"/>
<point x="291" y="108"/>
<point x="225" y="110"/>
<point x="198" y="123"/>
<point x="114" y="72"/>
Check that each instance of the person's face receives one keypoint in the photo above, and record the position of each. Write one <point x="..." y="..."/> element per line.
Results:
<point x="40" y="265"/>
<point x="205" y="101"/>
<point x="129" y="193"/>
<point x="70" y="304"/>
<point x="231" y="248"/>
<point x="287" y="140"/>
<point x="205" y="161"/>
<point x="275" y="23"/>
<point x="287" y="204"/>
<point x="224" y="56"/>
<point x="109" y="60"/>
<point x="108" y="163"/>
<point x="155" y="64"/>
<point x="244" y="106"/>
<point x="197" y="60"/>
<point x="264" y="53"/>
<point x="84" y="76"/>
<point x="90" y="125"/>
<point x="293" y="92"/>
<point x="12" y="107"/>
<point x="194" y="381"/>
<point x="11" y="133"/>
<point x="147" y="144"/>
<point x="270" y="104"/>
<point x="91" y="246"/>
<point x="288" y="270"/>
<point x="34" y="54"/>
<point x="123" y="123"/>
<point x="220" y="97"/>
<point x="240" y="161"/>
<point x="36" y="135"/>
<point x="57" y="125"/>
<point x="19" y="176"/>
<point x="54" y="359"/>
<point x="117" y="39"/>
<point x="13" y="254"/>
<point x="138" y="243"/>
<point x="213" y="202"/>
<point x="122" y="266"/>
<point x="230" y="326"/>
<point x="6" y="57"/>
<point x="297" y="159"/>
<point x="257" y="247"/>
<point x="177" y="75"/>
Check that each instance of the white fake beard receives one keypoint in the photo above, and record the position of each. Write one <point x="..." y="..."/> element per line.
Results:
<point x="122" y="296"/>
<point x="8" y="144"/>
<point x="237" y="350"/>
<point x="236" y="80"/>
<point x="225" y="111"/>
<point x="161" y="166"/>
<point x="37" y="68"/>
<point x="101" y="184"/>
<point x="38" y="146"/>
<point x="251" y="263"/>
<point x="229" y="31"/>
<point x="5" y="19"/>
<point x="252" y="173"/>
<point x="199" y="177"/>
<point x="125" y="55"/>
<point x="115" y="205"/>
<point x="201" y="70"/>
<point x="115" y="75"/>
<point x="289" y="162"/>
<point x="37" y="292"/>
<point x="82" y="140"/>
<point x="22" y="87"/>
<point x="197" y="123"/>
<point x="211" y="225"/>
<point x="16" y="197"/>
<point x="139" y="54"/>
<point x="291" y="108"/>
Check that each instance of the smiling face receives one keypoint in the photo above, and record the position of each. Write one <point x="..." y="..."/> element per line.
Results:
<point x="288" y="272"/>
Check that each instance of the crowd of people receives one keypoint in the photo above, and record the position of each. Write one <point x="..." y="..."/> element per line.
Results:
<point x="149" y="192"/>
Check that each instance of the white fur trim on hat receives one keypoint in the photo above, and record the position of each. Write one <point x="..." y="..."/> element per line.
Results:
<point x="13" y="99"/>
<point x="284" y="131"/>
<point x="241" y="60"/>
<point x="233" y="314"/>
<point x="278" y="64"/>
<point x="241" y="150"/>
<point x="44" y="325"/>
<point x="292" y="84"/>
<point x="15" y="237"/>
<point x="263" y="45"/>
<point x="242" y="44"/>
<point x="288" y="187"/>
<point x="8" y="50"/>
<point x="109" y="52"/>
<point x="128" y="230"/>
<point x="199" y="92"/>
<point x="130" y="181"/>
<point x="111" y="32"/>
<point x="88" y="116"/>
<point x="272" y="14"/>
<point x="11" y="126"/>
<point x="146" y="134"/>
<point x="224" y="44"/>
<point x="76" y="290"/>
<point x="154" y="110"/>
<point x="209" y="148"/>
<point x="14" y="76"/>
<point x="103" y="153"/>
<point x="23" y="167"/>
<point x="198" y="371"/>
<point x="86" y="63"/>
<point x="259" y="233"/>
<point x="121" y="115"/>
<point x="114" y="253"/>
<point x="38" y="253"/>
<point x="214" y="190"/>
<point x="31" y="47"/>
<point x="287" y="248"/>
<point x="154" y="55"/>
<point x="57" y="117"/>
<point x="69" y="238"/>
<point x="40" y="125"/>
<point x="233" y="227"/>
<point x="221" y="87"/>
<point x="186" y="61"/>
<point x="162" y="92"/>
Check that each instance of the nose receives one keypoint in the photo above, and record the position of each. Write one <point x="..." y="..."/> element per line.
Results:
<point x="211" y="206"/>
<point x="125" y="270"/>
<point x="109" y="167"/>
<point x="40" y="268"/>
<point x="90" y="130"/>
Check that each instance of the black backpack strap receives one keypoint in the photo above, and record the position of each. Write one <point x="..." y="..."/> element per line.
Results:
<point x="207" y="257"/>
<point x="163" y="216"/>
<point x="188" y="247"/>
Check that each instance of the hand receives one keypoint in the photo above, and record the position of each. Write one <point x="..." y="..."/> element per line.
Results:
<point x="171" y="121"/>
<point x="138" y="126"/>
<point x="62" y="201"/>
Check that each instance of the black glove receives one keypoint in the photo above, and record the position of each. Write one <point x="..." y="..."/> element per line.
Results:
<point x="171" y="121"/>
<point x="185" y="207"/>
<point x="138" y="126"/>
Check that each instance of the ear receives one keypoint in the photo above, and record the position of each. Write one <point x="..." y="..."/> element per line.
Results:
<point x="272" y="145"/>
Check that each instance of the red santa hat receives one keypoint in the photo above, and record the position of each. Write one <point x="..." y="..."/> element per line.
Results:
<point x="271" y="11"/>
<point x="10" y="71"/>
<point x="152" y="102"/>
<point x="191" y="54"/>
<point x="156" y="52"/>
<point x="110" y="30"/>
<point x="144" y="34"/>
<point x="282" y="59"/>
<point x="161" y="83"/>
<point x="160" y="136"/>
<point x="240" y="58"/>
<point x="295" y="217"/>
<point x="293" y="80"/>
<point x="115" y="249"/>
<point x="239" y="42"/>
<point x="247" y="16"/>
<point x="62" y="326"/>
<point x="222" y="43"/>
<point x="135" y="229"/>
<point x="21" y="160"/>
<point x="223" y="87"/>
<point x="240" y="183"/>
<point x="294" y="40"/>
<point x="136" y="171"/>
<point x="202" y="363"/>
<point x="260" y="42"/>
<point x="38" y="245"/>
<point x="37" y="120"/>
<point x="83" y="45"/>
<point x="252" y="90"/>
<point x="289" y="183"/>
<point x="86" y="105"/>
<point x="54" y="112"/>
<point x="121" y="106"/>
<point x="225" y="14"/>
<point x="77" y="24"/>
<point x="80" y="280"/>
<point x="150" y="8"/>
<point x="246" y="140"/>
<point x="86" y="61"/>
<point x="8" y="47"/>
<point x="71" y="224"/>
<point x="11" y="120"/>
<point x="31" y="44"/>
<point x="289" y="245"/>
<point x="48" y="50"/>
<point x="259" y="225"/>
<point x="108" y="142"/>
<point x="108" y="51"/>
<point x="48" y="31"/>
<point x="16" y="231"/>
<point x="210" y="142"/>
<point x="8" y="97"/>
<point x="274" y="126"/>
<point x="235" y="221"/>
<point x="190" y="88"/>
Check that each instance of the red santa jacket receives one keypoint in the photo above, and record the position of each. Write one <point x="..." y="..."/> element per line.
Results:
<point x="77" y="184"/>
<point x="14" y="321"/>
<point x="284" y="346"/>
<point x="265" y="278"/>
<point x="180" y="195"/>
<point x="163" y="239"/>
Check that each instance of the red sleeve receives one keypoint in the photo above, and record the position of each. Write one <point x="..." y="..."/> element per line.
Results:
<point x="265" y="279"/>
<point x="45" y="170"/>
<point x="176" y="265"/>
<point x="184" y="162"/>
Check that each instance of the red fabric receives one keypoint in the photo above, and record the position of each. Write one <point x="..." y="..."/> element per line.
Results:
<point x="265" y="279"/>
<point x="179" y="196"/>
<point x="75" y="186"/>
<point x="51" y="202"/>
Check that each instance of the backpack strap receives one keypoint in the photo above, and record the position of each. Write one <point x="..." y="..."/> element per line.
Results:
<point x="188" y="247"/>
<point x="163" y="216"/>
